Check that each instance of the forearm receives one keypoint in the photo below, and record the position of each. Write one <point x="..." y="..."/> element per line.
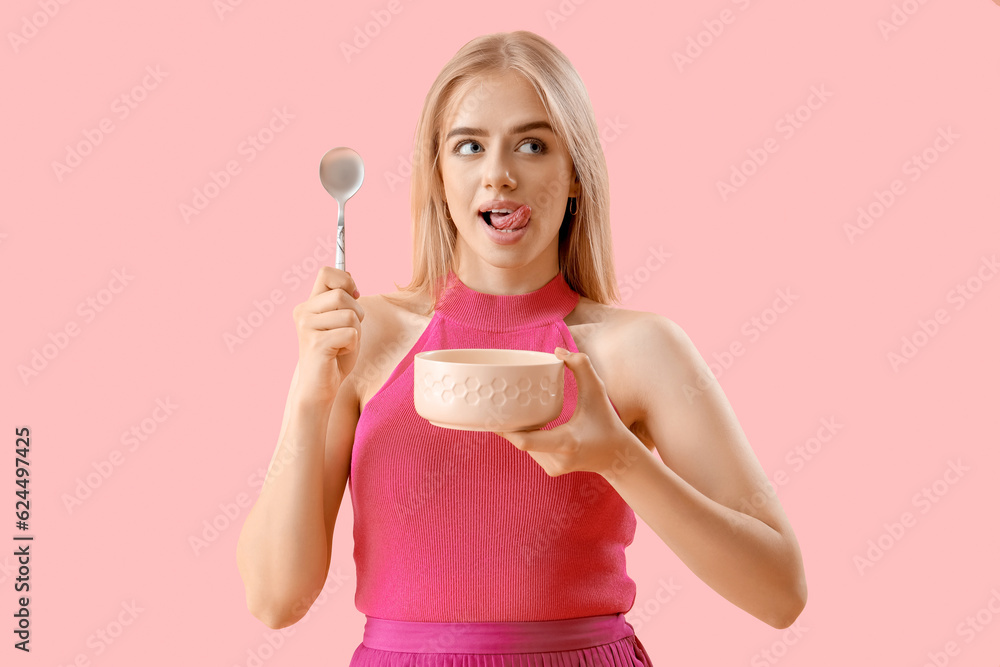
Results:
<point x="743" y="559"/>
<point x="282" y="552"/>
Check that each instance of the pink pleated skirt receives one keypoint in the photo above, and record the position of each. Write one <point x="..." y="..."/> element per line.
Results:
<point x="591" y="641"/>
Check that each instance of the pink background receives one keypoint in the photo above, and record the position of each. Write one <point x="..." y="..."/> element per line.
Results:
<point x="672" y="134"/>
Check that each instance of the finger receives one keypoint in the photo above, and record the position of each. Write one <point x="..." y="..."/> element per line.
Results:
<point x="330" y="278"/>
<point x="343" y="340"/>
<point x="332" y="319"/>
<point x="332" y="300"/>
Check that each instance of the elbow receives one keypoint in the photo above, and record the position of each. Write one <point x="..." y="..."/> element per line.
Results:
<point x="273" y="619"/>
<point x="791" y="594"/>
<point x="268" y="604"/>
<point x="274" y="616"/>
<point x="792" y="604"/>
<point x="278" y="611"/>
<point x="269" y="608"/>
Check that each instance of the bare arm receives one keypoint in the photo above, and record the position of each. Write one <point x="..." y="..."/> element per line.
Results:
<point x="284" y="548"/>
<point x="708" y="499"/>
<point x="283" y="553"/>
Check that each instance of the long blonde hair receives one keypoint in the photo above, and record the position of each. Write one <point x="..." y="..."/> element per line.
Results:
<point x="586" y="257"/>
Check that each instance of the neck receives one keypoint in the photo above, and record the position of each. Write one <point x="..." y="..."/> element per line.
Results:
<point x="490" y="279"/>
<point x="487" y="311"/>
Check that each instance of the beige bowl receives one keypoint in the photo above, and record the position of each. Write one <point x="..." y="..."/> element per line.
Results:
<point x="488" y="390"/>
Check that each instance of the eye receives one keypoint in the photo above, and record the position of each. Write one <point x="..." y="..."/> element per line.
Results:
<point x="468" y="142"/>
<point x="535" y="142"/>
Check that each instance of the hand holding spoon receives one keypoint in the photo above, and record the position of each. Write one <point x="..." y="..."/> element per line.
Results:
<point x="341" y="171"/>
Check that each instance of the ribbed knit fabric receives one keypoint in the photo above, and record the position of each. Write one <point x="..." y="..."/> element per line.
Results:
<point x="461" y="526"/>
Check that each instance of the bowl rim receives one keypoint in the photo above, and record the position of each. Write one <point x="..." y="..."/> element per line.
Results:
<point x="542" y="359"/>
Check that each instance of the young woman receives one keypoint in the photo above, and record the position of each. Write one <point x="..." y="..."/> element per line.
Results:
<point x="473" y="544"/>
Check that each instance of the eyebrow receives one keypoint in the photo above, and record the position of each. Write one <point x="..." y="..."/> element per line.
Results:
<point x="477" y="132"/>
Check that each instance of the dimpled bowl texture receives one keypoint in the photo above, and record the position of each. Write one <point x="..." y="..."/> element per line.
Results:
<point x="488" y="390"/>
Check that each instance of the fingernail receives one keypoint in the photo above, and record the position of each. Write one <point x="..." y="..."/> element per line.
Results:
<point x="561" y="352"/>
<point x="356" y="294"/>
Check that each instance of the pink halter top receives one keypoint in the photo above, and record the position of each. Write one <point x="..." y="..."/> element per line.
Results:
<point x="461" y="526"/>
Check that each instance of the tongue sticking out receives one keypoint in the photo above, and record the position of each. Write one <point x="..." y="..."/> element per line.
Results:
<point x="515" y="220"/>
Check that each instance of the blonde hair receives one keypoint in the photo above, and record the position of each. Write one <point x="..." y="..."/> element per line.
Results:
<point x="586" y="257"/>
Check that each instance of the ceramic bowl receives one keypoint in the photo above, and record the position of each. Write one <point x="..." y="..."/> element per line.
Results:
<point x="488" y="390"/>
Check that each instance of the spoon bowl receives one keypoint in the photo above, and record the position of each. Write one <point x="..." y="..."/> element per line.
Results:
<point x="341" y="171"/>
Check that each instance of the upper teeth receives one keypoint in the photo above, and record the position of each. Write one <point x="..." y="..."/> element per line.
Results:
<point x="500" y="210"/>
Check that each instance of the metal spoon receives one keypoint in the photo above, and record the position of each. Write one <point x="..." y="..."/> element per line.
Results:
<point x="341" y="171"/>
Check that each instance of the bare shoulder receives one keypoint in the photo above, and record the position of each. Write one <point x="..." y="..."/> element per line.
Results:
<point x="385" y="313"/>
<point x="391" y="326"/>
<point x="631" y="350"/>
<point x="619" y="333"/>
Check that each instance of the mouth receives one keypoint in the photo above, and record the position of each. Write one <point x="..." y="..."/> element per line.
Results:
<point x="507" y="219"/>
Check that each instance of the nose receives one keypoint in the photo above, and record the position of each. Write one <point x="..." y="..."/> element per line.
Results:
<point x="499" y="172"/>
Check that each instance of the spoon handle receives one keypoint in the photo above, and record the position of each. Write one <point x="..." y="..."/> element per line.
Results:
<point x="341" y="256"/>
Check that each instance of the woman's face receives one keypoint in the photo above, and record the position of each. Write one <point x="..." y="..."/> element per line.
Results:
<point x="498" y="147"/>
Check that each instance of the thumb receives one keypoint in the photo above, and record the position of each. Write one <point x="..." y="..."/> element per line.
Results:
<point x="588" y="383"/>
<point x="579" y="363"/>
